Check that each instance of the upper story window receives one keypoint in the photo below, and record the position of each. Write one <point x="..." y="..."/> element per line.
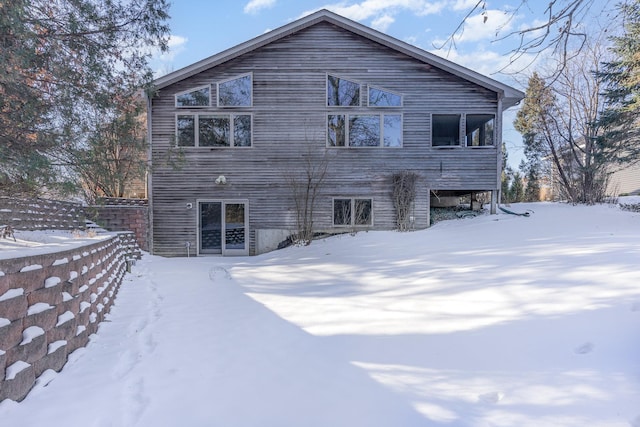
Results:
<point x="383" y="98"/>
<point x="480" y="130"/>
<point x="445" y="130"/>
<point x="342" y="92"/>
<point x="199" y="97"/>
<point x="364" y="130"/>
<point x="236" y="92"/>
<point x="213" y="130"/>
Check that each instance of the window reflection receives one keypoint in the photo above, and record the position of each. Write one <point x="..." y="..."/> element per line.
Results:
<point x="242" y="131"/>
<point x="336" y="130"/>
<point x="392" y="130"/>
<point x="185" y="130"/>
<point x="195" y="98"/>
<point x="383" y="98"/>
<point x="364" y="131"/>
<point x="213" y="131"/>
<point x="342" y="92"/>
<point x="235" y="92"/>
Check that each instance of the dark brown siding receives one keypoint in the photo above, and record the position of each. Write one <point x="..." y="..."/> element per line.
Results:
<point x="289" y="122"/>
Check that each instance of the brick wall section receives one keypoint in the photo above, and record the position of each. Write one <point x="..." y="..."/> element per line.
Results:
<point x="50" y="304"/>
<point x="123" y="215"/>
<point x="41" y="214"/>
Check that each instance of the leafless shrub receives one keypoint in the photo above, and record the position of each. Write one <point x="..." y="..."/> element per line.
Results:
<point x="404" y="196"/>
<point x="305" y="183"/>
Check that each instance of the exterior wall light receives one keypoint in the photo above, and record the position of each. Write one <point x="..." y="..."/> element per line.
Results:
<point x="221" y="180"/>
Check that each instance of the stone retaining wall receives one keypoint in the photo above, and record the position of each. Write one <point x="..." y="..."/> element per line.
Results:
<point x="41" y="214"/>
<point x="122" y="215"/>
<point x="50" y="304"/>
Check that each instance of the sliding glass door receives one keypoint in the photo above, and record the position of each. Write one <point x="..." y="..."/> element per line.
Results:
<point x="223" y="227"/>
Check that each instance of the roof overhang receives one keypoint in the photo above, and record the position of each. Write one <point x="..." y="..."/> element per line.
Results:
<point x="510" y="96"/>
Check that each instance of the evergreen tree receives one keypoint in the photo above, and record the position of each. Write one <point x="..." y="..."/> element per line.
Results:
<point x="505" y="177"/>
<point x="517" y="188"/>
<point x="60" y="63"/>
<point x="531" y="174"/>
<point x="507" y="185"/>
<point x="621" y="119"/>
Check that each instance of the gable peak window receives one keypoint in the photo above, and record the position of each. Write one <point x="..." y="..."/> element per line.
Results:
<point x="342" y="92"/>
<point x="199" y="97"/>
<point x="236" y="92"/>
<point x="379" y="97"/>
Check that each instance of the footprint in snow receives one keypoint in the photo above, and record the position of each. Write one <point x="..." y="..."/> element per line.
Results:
<point x="491" y="398"/>
<point x="584" y="348"/>
<point x="219" y="273"/>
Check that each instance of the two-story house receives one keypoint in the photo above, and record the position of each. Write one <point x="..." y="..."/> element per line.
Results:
<point x="232" y="134"/>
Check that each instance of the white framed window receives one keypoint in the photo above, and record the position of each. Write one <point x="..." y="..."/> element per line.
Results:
<point x="364" y="130"/>
<point x="198" y="97"/>
<point x="480" y="130"/>
<point x="214" y="130"/>
<point x="236" y="92"/>
<point x="349" y="212"/>
<point x="378" y="97"/>
<point x="342" y="92"/>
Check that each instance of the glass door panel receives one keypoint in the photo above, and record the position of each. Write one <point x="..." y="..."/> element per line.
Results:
<point x="210" y="227"/>
<point x="235" y="226"/>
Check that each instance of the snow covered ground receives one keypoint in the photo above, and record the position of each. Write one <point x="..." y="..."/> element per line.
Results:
<point x="23" y="243"/>
<point x="497" y="320"/>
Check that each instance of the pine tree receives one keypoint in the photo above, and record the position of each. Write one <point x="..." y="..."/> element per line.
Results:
<point x="621" y="119"/>
<point x="531" y="174"/>
<point x="60" y="62"/>
<point x="517" y="188"/>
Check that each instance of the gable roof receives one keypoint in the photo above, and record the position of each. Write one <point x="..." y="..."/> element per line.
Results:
<point x="510" y="95"/>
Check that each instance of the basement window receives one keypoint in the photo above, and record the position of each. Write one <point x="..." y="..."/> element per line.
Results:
<point x="352" y="212"/>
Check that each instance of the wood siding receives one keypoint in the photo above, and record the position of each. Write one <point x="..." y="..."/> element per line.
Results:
<point x="289" y="122"/>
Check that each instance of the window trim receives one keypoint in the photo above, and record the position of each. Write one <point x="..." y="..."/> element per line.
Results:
<point x="401" y="95"/>
<point x="222" y="114"/>
<point x="239" y="76"/>
<point x="352" y="200"/>
<point x="175" y="99"/>
<point x="381" y="116"/>
<point x="326" y="91"/>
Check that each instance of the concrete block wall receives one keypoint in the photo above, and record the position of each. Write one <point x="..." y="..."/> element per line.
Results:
<point x="123" y="215"/>
<point x="41" y="214"/>
<point x="50" y="304"/>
